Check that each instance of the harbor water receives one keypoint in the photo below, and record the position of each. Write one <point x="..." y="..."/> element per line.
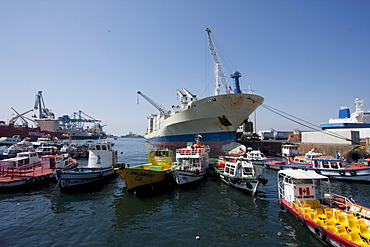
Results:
<point x="109" y="216"/>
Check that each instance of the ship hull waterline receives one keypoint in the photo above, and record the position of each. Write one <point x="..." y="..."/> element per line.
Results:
<point x="215" y="118"/>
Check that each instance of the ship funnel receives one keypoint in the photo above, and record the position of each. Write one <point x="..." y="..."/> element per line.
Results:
<point x="236" y="76"/>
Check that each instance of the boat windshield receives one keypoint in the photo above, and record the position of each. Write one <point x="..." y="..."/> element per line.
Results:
<point x="248" y="171"/>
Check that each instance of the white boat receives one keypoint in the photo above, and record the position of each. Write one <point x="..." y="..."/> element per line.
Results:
<point x="101" y="162"/>
<point x="58" y="161"/>
<point x="192" y="163"/>
<point x="334" y="219"/>
<point x="216" y="117"/>
<point x="9" y="140"/>
<point x="12" y="151"/>
<point x="239" y="173"/>
<point x="43" y="150"/>
<point x="289" y="150"/>
<point x="46" y="141"/>
<point x="23" y="159"/>
<point x="256" y="157"/>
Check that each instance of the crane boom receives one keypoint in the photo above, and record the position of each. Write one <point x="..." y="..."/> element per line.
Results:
<point x="219" y="72"/>
<point x="14" y="119"/>
<point x="40" y="105"/>
<point x="161" y="109"/>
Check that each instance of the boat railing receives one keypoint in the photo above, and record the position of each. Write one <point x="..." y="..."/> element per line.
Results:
<point x="187" y="151"/>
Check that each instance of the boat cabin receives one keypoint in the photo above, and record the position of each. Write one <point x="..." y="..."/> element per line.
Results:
<point x="160" y="157"/>
<point x="324" y="163"/>
<point x="240" y="169"/>
<point x="298" y="185"/>
<point x="23" y="159"/>
<point x="289" y="149"/>
<point x="256" y="155"/>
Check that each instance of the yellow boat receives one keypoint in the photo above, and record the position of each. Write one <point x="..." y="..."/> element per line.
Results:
<point x="156" y="173"/>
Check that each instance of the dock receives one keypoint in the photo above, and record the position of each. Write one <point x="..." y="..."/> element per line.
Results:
<point x="10" y="178"/>
<point x="350" y="152"/>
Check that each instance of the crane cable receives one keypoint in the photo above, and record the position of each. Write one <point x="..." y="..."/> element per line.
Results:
<point x="305" y="123"/>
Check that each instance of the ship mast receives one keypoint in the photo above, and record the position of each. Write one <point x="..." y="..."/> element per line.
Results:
<point x="219" y="72"/>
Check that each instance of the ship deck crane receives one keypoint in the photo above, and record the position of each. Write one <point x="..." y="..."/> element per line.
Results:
<point x="219" y="71"/>
<point x="160" y="108"/>
<point x="14" y="119"/>
<point x="40" y="105"/>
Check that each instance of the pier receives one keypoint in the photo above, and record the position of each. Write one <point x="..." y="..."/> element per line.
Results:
<point x="354" y="151"/>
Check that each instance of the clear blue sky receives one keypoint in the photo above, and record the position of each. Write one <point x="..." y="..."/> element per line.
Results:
<point x="306" y="58"/>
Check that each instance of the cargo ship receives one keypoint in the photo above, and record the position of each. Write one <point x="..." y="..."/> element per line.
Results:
<point x="215" y="118"/>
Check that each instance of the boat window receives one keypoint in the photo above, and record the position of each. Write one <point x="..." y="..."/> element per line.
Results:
<point x="325" y="164"/>
<point x="104" y="147"/>
<point x="232" y="171"/>
<point x="227" y="169"/>
<point x="334" y="165"/>
<point x="98" y="147"/>
<point x="248" y="171"/>
<point x="315" y="163"/>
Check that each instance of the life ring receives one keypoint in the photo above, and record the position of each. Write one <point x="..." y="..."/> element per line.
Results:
<point x="342" y="173"/>
<point x="248" y="185"/>
<point x="281" y="205"/>
<point x="353" y="172"/>
<point x="319" y="231"/>
<point x="301" y="221"/>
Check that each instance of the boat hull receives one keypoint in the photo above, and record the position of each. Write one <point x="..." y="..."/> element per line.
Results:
<point x="247" y="185"/>
<point x="82" y="176"/>
<point x="348" y="174"/>
<point x="320" y="232"/>
<point x="215" y="118"/>
<point x="188" y="177"/>
<point x="137" y="178"/>
<point x="23" y="132"/>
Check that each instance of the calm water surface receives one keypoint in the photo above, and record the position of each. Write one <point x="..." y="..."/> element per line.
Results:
<point x="109" y="216"/>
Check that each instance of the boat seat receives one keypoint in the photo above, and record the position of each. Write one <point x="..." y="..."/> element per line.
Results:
<point x="308" y="203"/>
<point x="341" y="229"/>
<point x="320" y="222"/>
<point x="345" y="235"/>
<point x="329" y="214"/>
<point x="316" y="204"/>
<point x="352" y="225"/>
<point x="356" y="238"/>
<point x="351" y="217"/>
<point x="341" y="219"/>
<point x="364" y="231"/>
<point x="319" y="213"/>
<point x="332" y="229"/>
<point x="330" y="222"/>
<point x="310" y="214"/>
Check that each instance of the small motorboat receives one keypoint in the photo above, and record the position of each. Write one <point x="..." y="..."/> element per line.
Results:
<point x="101" y="163"/>
<point x="192" y="163"/>
<point x="239" y="173"/>
<point x="154" y="175"/>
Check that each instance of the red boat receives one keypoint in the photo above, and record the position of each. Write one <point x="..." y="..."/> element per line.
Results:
<point x="10" y="130"/>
